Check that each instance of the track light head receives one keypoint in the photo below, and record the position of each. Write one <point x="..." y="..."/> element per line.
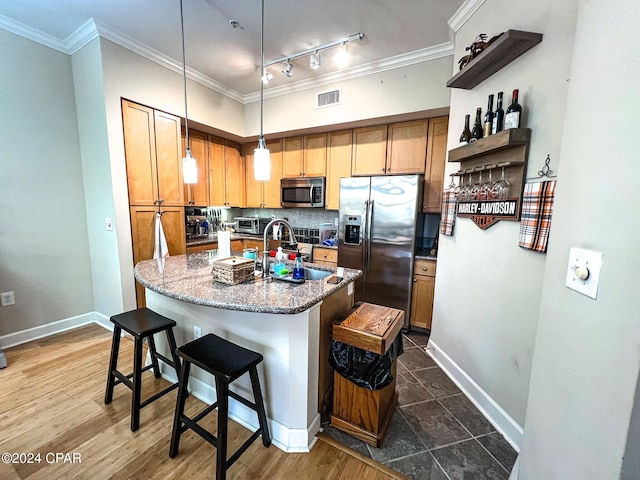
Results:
<point x="286" y="68"/>
<point x="314" y="61"/>
<point x="266" y="76"/>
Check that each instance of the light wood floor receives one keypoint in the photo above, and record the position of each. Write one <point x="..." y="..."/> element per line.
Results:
<point x="52" y="401"/>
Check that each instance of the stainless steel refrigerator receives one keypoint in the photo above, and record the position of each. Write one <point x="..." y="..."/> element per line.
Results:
<point x="379" y="220"/>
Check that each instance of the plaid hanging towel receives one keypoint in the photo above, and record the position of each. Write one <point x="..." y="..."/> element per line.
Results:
<point x="449" y="198"/>
<point x="535" y="220"/>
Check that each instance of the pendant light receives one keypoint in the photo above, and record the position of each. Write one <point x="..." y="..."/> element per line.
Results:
<point x="189" y="166"/>
<point x="261" y="155"/>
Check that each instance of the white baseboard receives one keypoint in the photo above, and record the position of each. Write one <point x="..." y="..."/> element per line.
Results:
<point x="41" y="331"/>
<point x="498" y="417"/>
<point x="286" y="439"/>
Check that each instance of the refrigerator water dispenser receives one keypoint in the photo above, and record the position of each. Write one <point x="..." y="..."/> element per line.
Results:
<point x="352" y="226"/>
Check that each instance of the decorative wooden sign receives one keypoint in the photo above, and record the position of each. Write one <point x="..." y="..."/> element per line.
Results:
<point x="485" y="213"/>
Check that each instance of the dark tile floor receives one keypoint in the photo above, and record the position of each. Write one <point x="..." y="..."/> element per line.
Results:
<point x="436" y="433"/>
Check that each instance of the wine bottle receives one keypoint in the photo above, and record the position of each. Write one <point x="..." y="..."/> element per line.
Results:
<point x="514" y="112"/>
<point x="465" y="137"/>
<point x="488" y="118"/>
<point x="498" y="116"/>
<point x="476" y="133"/>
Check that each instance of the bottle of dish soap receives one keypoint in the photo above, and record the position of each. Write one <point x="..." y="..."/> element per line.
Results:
<point x="298" y="269"/>
<point x="279" y="263"/>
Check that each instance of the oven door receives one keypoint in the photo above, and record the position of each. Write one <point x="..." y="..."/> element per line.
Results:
<point x="302" y="192"/>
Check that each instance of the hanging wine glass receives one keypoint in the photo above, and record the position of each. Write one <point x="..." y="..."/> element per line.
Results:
<point x="501" y="187"/>
<point x="476" y="188"/>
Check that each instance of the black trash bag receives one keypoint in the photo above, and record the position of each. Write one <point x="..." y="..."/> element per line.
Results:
<point x="365" y="369"/>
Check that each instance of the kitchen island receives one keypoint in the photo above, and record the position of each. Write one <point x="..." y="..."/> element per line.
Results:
<point x="289" y="324"/>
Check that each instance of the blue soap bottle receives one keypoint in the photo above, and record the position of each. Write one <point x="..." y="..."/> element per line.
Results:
<point x="298" y="269"/>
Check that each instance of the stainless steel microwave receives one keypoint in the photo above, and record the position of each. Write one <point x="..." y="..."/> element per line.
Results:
<point x="252" y="225"/>
<point x="302" y="192"/>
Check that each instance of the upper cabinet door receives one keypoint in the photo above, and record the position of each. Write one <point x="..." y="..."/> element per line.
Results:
<point x="407" y="147"/>
<point x="271" y="192"/>
<point x="369" y="151"/>
<point x="216" y="171"/>
<point x="140" y="153"/>
<point x="338" y="165"/>
<point x="253" y="193"/>
<point x="198" y="193"/>
<point x="315" y="155"/>
<point x="168" y="159"/>
<point x="436" y="162"/>
<point x="292" y="157"/>
<point x="234" y="175"/>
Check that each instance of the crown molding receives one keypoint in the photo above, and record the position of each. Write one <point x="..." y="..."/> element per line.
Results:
<point x="92" y="29"/>
<point x="466" y="10"/>
<point x="31" y="33"/>
<point x="391" y="63"/>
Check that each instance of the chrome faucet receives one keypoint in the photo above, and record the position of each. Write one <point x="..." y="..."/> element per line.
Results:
<point x="265" y="250"/>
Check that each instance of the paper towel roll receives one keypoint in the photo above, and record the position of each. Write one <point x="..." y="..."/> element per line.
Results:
<point x="224" y="244"/>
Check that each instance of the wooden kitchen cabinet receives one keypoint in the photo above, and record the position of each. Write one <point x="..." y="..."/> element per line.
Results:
<point x="406" y="148"/>
<point x="325" y="256"/>
<point x="152" y="151"/>
<point x="261" y="194"/>
<point x="143" y="220"/>
<point x="197" y="193"/>
<point x="369" y="151"/>
<point x="338" y="165"/>
<point x="424" y="280"/>
<point x="226" y="173"/>
<point x="305" y="156"/>
<point x="436" y="161"/>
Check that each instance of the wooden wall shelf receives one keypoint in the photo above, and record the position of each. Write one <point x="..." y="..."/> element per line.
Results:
<point x="509" y="46"/>
<point x="492" y="144"/>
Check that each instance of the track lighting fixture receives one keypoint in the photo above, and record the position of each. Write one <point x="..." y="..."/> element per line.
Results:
<point x="286" y="68"/>
<point x="314" y="55"/>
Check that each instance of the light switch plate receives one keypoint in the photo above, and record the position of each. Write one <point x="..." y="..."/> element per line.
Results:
<point x="592" y="261"/>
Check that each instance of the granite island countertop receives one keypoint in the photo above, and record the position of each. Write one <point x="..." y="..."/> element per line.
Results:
<point x="189" y="278"/>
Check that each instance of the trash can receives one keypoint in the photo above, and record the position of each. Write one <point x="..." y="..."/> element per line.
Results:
<point x="363" y="354"/>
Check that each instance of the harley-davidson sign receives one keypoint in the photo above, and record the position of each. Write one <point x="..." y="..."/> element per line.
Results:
<point x="485" y="213"/>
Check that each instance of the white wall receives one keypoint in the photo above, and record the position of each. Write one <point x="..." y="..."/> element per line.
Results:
<point x="488" y="289"/>
<point x="44" y="250"/>
<point x="92" y="128"/>
<point x="587" y="360"/>
<point x="410" y="89"/>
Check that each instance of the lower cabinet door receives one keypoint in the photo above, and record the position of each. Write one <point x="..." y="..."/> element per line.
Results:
<point x="143" y="236"/>
<point x="422" y="301"/>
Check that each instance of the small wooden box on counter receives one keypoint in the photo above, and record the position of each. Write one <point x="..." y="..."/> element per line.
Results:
<point x="360" y="412"/>
<point x="233" y="270"/>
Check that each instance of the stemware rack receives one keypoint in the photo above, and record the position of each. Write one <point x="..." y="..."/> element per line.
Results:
<point x="507" y="150"/>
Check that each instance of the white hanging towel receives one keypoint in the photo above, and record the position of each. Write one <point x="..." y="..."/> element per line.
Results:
<point x="160" y="250"/>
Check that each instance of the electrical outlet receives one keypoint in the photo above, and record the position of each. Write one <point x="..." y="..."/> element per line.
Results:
<point x="7" y="299"/>
<point x="108" y="223"/>
<point x="197" y="332"/>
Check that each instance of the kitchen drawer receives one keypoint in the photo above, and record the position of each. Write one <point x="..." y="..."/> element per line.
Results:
<point x="202" y="247"/>
<point x="325" y="255"/>
<point x="424" y="267"/>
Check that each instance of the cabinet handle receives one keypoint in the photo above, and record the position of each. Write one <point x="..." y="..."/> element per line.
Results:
<point x="383" y="169"/>
<point x="415" y="279"/>
<point x="424" y="269"/>
<point x="161" y="200"/>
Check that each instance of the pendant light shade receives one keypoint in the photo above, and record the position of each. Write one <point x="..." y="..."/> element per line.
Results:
<point x="261" y="155"/>
<point x="189" y="168"/>
<point x="189" y="165"/>
<point x="262" y="161"/>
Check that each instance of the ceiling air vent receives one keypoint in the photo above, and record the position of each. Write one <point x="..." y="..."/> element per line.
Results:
<point x="326" y="99"/>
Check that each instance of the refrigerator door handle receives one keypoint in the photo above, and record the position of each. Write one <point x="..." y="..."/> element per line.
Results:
<point x="369" y="221"/>
<point x="365" y="233"/>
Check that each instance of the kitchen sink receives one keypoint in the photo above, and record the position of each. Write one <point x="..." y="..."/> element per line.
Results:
<point x="315" y="274"/>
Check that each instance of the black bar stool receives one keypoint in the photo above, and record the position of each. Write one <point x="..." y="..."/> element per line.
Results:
<point x="141" y="323"/>
<point x="226" y="361"/>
